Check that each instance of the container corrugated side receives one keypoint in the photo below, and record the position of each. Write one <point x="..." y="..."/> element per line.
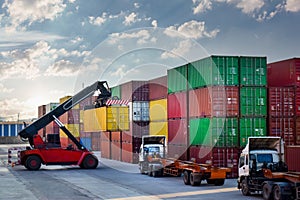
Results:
<point x="177" y="132"/>
<point x="283" y="127"/>
<point x="253" y="71"/>
<point x="253" y="101"/>
<point x="177" y="105"/>
<point x="281" y="101"/>
<point x="297" y="101"/>
<point x="179" y="152"/>
<point x="284" y="73"/>
<point x="158" y="88"/>
<point x="297" y="136"/>
<point x="201" y="154"/>
<point x="158" y="110"/>
<point x="291" y="152"/>
<point x="224" y="132"/>
<point x="251" y="126"/>
<point x="159" y="128"/>
<point x="177" y="79"/>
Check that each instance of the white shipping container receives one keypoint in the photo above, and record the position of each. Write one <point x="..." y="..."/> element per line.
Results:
<point x="139" y="111"/>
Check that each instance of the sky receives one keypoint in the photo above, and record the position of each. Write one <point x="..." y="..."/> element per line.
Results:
<point x="53" y="48"/>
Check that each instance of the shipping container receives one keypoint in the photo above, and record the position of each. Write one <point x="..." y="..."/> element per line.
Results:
<point x="87" y="103"/>
<point x="137" y="129"/>
<point x="10" y="129"/>
<point x="158" y="110"/>
<point x="283" y="127"/>
<point x="52" y="127"/>
<point x="177" y="105"/>
<point x="297" y="136"/>
<point x="224" y="132"/>
<point x="251" y="126"/>
<point x="200" y="132"/>
<point x="253" y="101"/>
<point x="71" y="117"/>
<point x="177" y="132"/>
<point x="253" y="71"/>
<point x="73" y="128"/>
<point x="281" y="101"/>
<point x="177" y="152"/>
<point x="116" y="150"/>
<point x="216" y="101"/>
<point x="66" y="142"/>
<point x="201" y="154"/>
<point x="116" y="91"/>
<point x="65" y="98"/>
<point x="139" y="110"/>
<point x="135" y="91"/>
<point x="105" y="143"/>
<point x="87" y="142"/>
<point x="112" y="118"/>
<point x="291" y="158"/>
<point x="41" y="110"/>
<point x="159" y="128"/>
<point x="51" y="106"/>
<point x="130" y="148"/>
<point x="284" y="73"/>
<point x="158" y="88"/>
<point x="214" y="70"/>
<point x="96" y="141"/>
<point x="297" y="101"/>
<point x="177" y="79"/>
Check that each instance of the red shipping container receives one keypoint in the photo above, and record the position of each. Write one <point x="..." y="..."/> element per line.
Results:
<point x="284" y="73"/>
<point x="96" y="141"/>
<point x="135" y="91"/>
<point x="115" y="136"/>
<point x="281" y="101"/>
<point x="106" y="149"/>
<point x="177" y="152"/>
<point x="297" y="101"/>
<point x="177" y="105"/>
<point x="201" y="154"/>
<point x="158" y="88"/>
<point x="71" y="117"/>
<point x="284" y="128"/>
<point x="297" y="135"/>
<point x="116" y="150"/>
<point x="216" y="101"/>
<point x="127" y="153"/>
<point x="177" y="132"/>
<point x="41" y="110"/>
<point x="52" y="127"/>
<point x="233" y="156"/>
<point x="291" y="158"/>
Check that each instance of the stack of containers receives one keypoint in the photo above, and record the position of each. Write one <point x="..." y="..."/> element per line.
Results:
<point x="137" y="92"/>
<point x="71" y="120"/>
<point x="41" y="112"/>
<point x="177" y="113"/>
<point x="52" y="128"/>
<point x="284" y="106"/>
<point x="214" y="110"/>
<point x="158" y="91"/>
<point x="253" y="97"/>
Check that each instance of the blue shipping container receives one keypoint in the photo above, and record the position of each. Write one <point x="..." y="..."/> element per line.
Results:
<point x="87" y="142"/>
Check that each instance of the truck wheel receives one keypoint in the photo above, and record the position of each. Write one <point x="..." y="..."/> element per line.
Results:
<point x="192" y="180"/>
<point x="277" y="193"/>
<point x="155" y="173"/>
<point x="245" y="188"/>
<point x="266" y="192"/>
<point x="33" y="163"/>
<point x="219" y="182"/>
<point x="90" y="162"/>
<point x="186" y="177"/>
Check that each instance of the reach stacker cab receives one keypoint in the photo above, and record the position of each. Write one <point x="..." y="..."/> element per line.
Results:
<point x="40" y="152"/>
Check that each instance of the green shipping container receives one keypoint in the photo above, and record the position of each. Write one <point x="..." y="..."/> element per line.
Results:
<point x="252" y="127"/>
<point x="224" y="132"/>
<point x="253" y="71"/>
<point x="214" y="70"/>
<point x="199" y="132"/>
<point x="253" y="101"/>
<point x="177" y="79"/>
<point x="116" y="91"/>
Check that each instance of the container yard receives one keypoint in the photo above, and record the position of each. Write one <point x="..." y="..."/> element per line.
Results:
<point x="206" y="109"/>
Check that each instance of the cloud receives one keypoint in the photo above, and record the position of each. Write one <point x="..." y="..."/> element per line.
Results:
<point x="183" y="48"/>
<point x="154" y="23"/>
<point x="137" y="5"/>
<point x="98" y="21"/>
<point x="3" y="89"/>
<point x="192" y="29"/>
<point x="202" y="6"/>
<point x="250" y="6"/>
<point x="141" y="36"/>
<point x="30" y="11"/>
<point x="130" y="19"/>
<point x="63" y="68"/>
<point x="292" y="5"/>
<point x="269" y="15"/>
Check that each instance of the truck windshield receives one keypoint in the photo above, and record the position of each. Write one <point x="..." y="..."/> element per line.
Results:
<point x="261" y="158"/>
<point x="153" y="149"/>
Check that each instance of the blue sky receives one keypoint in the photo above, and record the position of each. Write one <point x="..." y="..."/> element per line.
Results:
<point x="51" y="48"/>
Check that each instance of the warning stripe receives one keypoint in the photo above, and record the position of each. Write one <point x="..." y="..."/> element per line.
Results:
<point x="117" y="102"/>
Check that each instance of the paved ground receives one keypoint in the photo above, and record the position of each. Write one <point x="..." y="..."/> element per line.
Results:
<point x="111" y="180"/>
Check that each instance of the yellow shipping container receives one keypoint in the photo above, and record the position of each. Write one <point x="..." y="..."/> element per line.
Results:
<point x="81" y="116"/>
<point x="65" y="98"/>
<point x="158" y="128"/>
<point x="73" y="128"/>
<point x="158" y="110"/>
<point x="115" y="118"/>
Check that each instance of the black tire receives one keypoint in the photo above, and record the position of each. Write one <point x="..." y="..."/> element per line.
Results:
<point x="277" y="193"/>
<point x="33" y="163"/>
<point x="155" y="173"/>
<point x="192" y="180"/>
<point x="90" y="162"/>
<point x="186" y="177"/>
<point x="267" y="192"/>
<point x="245" y="188"/>
<point x="210" y="181"/>
<point x="219" y="182"/>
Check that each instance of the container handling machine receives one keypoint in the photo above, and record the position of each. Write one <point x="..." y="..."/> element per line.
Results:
<point x="48" y="153"/>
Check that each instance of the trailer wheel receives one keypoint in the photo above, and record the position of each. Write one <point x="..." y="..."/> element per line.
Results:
<point x="192" y="180"/>
<point x="33" y="163"/>
<point x="210" y="181"/>
<point x="219" y="182"/>
<point x="90" y="162"/>
<point x="186" y="177"/>
<point x="277" y="193"/>
<point x="266" y="192"/>
<point x="245" y="188"/>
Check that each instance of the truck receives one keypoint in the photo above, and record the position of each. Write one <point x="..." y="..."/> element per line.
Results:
<point x="153" y="161"/>
<point x="50" y="152"/>
<point x="262" y="170"/>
